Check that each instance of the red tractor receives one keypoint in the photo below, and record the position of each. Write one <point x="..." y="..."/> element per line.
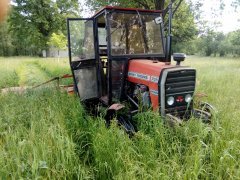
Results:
<point x="123" y="56"/>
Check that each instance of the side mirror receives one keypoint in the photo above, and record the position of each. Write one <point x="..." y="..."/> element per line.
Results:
<point x="179" y="57"/>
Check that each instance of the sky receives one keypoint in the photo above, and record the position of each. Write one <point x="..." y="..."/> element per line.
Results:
<point x="229" y="18"/>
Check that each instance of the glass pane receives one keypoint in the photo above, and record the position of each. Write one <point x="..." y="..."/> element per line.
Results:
<point x="102" y="37"/>
<point x="86" y="82"/>
<point x="82" y="39"/>
<point x="135" y="34"/>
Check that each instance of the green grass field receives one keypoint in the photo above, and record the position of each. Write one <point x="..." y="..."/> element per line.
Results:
<point x="46" y="134"/>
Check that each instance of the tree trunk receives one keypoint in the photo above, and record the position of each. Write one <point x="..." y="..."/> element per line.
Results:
<point x="47" y="52"/>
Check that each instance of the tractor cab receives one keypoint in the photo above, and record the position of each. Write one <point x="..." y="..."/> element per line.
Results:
<point x="100" y="48"/>
<point x="124" y="55"/>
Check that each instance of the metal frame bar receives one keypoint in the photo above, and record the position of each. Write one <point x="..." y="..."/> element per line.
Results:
<point x="96" y="41"/>
<point x="109" y="54"/>
<point x="169" y="36"/>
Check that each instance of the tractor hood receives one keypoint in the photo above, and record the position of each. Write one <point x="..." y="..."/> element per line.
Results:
<point x="147" y="72"/>
<point x="144" y="71"/>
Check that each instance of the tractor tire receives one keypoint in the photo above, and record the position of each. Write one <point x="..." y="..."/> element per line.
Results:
<point x="203" y="115"/>
<point x="208" y="107"/>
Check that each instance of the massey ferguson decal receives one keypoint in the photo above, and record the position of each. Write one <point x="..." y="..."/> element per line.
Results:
<point x="154" y="92"/>
<point x="139" y="76"/>
<point x="154" y="79"/>
<point x="145" y="77"/>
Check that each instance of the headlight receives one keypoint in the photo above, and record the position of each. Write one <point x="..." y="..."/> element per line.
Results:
<point x="188" y="98"/>
<point x="170" y="100"/>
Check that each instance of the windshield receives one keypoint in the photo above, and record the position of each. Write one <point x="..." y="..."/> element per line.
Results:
<point x="135" y="34"/>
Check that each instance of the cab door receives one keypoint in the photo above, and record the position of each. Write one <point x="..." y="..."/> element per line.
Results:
<point x="82" y="57"/>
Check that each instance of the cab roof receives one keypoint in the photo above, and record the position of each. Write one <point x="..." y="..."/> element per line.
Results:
<point x="125" y="9"/>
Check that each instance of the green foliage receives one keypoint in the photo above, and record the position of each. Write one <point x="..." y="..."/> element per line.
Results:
<point x="5" y="39"/>
<point x="184" y="28"/>
<point x="216" y="43"/>
<point x="234" y="38"/>
<point x="96" y="5"/>
<point x="58" y="41"/>
<point x="33" y="22"/>
<point x="211" y="42"/>
<point x="188" y="47"/>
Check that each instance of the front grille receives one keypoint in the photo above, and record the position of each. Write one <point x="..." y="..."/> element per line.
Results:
<point x="178" y="84"/>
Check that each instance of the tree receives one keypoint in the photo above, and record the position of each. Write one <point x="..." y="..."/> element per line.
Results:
<point x="147" y="4"/>
<point x="33" y="21"/>
<point x="5" y="40"/>
<point x="234" y="38"/>
<point x="184" y="28"/>
<point x="207" y="43"/>
<point x="58" y="41"/>
<point x="236" y="3"/>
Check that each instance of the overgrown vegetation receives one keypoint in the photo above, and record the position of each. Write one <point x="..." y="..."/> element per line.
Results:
<point x="47" y="134"/>
<point x="216" y="44"/>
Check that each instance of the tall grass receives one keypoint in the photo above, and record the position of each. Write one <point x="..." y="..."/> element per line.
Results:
<point x="54" y="67"/>
<point x="7" y="72"/>
<point x="30" y="74"/>
<point x="47" y="134"/>
<point x="27" y="71"/>
<point x="35" y="141"/>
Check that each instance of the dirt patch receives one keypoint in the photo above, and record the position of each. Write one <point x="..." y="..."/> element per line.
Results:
<point x="18" y="90"/>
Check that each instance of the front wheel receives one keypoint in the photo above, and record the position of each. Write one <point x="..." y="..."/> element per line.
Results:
<point x="203" y="115"/>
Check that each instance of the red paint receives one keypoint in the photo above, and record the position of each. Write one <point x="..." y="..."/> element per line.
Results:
<point x="150" y="68"/>
<point x="180" y="99"/>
